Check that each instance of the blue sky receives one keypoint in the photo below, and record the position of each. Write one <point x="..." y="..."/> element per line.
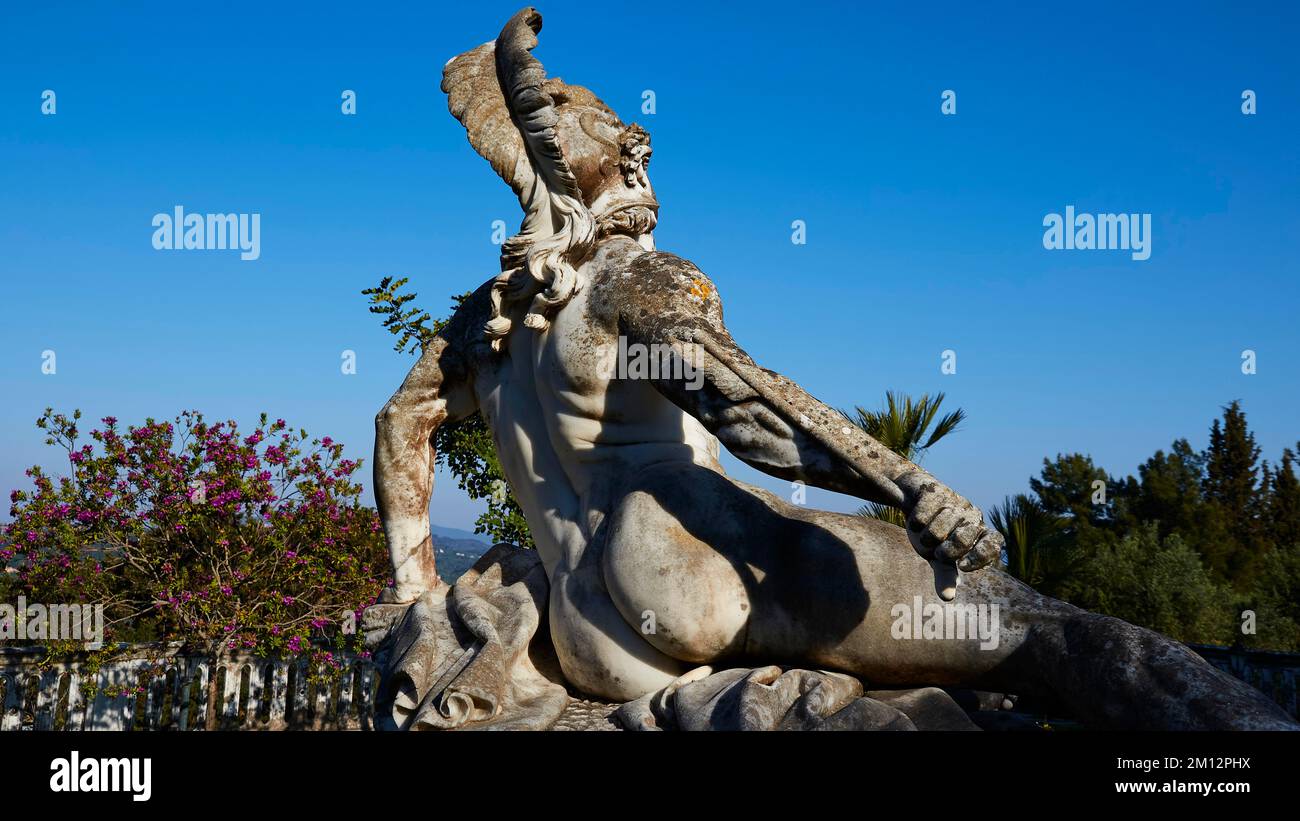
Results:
<point x="924" y="231"/>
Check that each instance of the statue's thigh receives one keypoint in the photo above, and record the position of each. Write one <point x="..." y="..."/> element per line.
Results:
<point x="711" y="569"/>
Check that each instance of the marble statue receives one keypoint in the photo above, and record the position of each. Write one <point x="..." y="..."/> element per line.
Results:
<point x="659" y="583"/>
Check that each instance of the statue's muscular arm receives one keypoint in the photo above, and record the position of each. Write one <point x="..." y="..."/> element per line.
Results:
<point x="438" y="390"/>
<point x="771" y="423"/>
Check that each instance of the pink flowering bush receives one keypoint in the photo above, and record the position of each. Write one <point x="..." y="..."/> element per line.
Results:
<point x="193" y="531"/>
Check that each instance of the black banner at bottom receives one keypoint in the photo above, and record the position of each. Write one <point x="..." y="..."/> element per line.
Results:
<point x="145" y="772"/>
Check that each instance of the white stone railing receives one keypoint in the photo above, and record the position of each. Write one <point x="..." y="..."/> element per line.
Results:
<point x="163" y="687"/>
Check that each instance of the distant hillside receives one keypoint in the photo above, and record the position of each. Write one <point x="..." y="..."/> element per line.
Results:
<point x="455" y="556"/>
<point x="457" y="533"/>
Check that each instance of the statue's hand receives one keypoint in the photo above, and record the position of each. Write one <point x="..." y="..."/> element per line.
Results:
<point x="948" y="528"/>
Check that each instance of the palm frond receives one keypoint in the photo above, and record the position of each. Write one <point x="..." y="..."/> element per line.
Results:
<point x="885" y="513"/>
<point x="1031" y="534"/>
<point x="903" y="423"/>
<point x="947" y="424"/>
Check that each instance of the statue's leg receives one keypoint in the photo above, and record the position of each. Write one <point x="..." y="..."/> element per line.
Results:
<point x="735" y="573"/>
<point x="602" y="653"/>
<point x="403" y="476"/>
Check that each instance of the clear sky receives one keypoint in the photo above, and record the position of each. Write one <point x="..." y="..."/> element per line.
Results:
<point x="924" y="231"/>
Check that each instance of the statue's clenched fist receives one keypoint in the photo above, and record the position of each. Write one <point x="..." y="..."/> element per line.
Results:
<point x="948" y="528"/>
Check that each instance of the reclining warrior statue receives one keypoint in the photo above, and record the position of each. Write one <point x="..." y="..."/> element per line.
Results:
<point x="633" y="516"/>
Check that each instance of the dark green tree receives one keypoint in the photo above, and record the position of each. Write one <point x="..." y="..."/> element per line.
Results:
<point x="1169" y="493"/>
<point x="1168" y="490"/>
<point x="1231" y="489"/>
<point x="1231" y="464"/>
<point x="1068" y="487"/>
<point x="1079" y="492"/>
<point x="1237" y="517"/>
<point x="1275" y="601"/>
<point x="1283" y="512"/>
<point x="1157" y="583"/>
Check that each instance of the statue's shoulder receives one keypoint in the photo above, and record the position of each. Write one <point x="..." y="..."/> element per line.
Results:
<point x="656" y="283"/>
<point x="663" y="268"/>
<point x="464" y="330"/>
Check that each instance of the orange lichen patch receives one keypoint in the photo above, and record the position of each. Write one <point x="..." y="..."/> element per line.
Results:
<point x="701" y="288"/>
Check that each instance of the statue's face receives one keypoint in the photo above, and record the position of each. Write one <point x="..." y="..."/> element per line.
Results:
<point x="608" y="159"/>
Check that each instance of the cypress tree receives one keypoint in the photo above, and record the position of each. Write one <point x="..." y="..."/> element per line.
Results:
<point x="1231" y="486"/>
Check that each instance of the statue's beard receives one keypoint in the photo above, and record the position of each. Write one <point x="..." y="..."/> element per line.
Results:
<point x="632" y="221"/>
<point x="542" y="271"/>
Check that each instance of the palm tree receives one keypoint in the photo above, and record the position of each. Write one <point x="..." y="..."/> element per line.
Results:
<point x="1032" y="536"/>
<point x="902" y="426"/>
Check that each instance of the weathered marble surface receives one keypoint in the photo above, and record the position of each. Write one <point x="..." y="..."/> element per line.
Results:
<point x="653" y="561"/>
<point x="478" y="655"/>
<point x="460" y="657"/>
<point x="768" y="698"/>
<point x="471" y="656"/>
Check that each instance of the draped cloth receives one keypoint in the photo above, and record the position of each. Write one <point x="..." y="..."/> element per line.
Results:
<point x="462" y="657"/>
<point x="768" y="698"/>
<point x="477" y="655"/>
